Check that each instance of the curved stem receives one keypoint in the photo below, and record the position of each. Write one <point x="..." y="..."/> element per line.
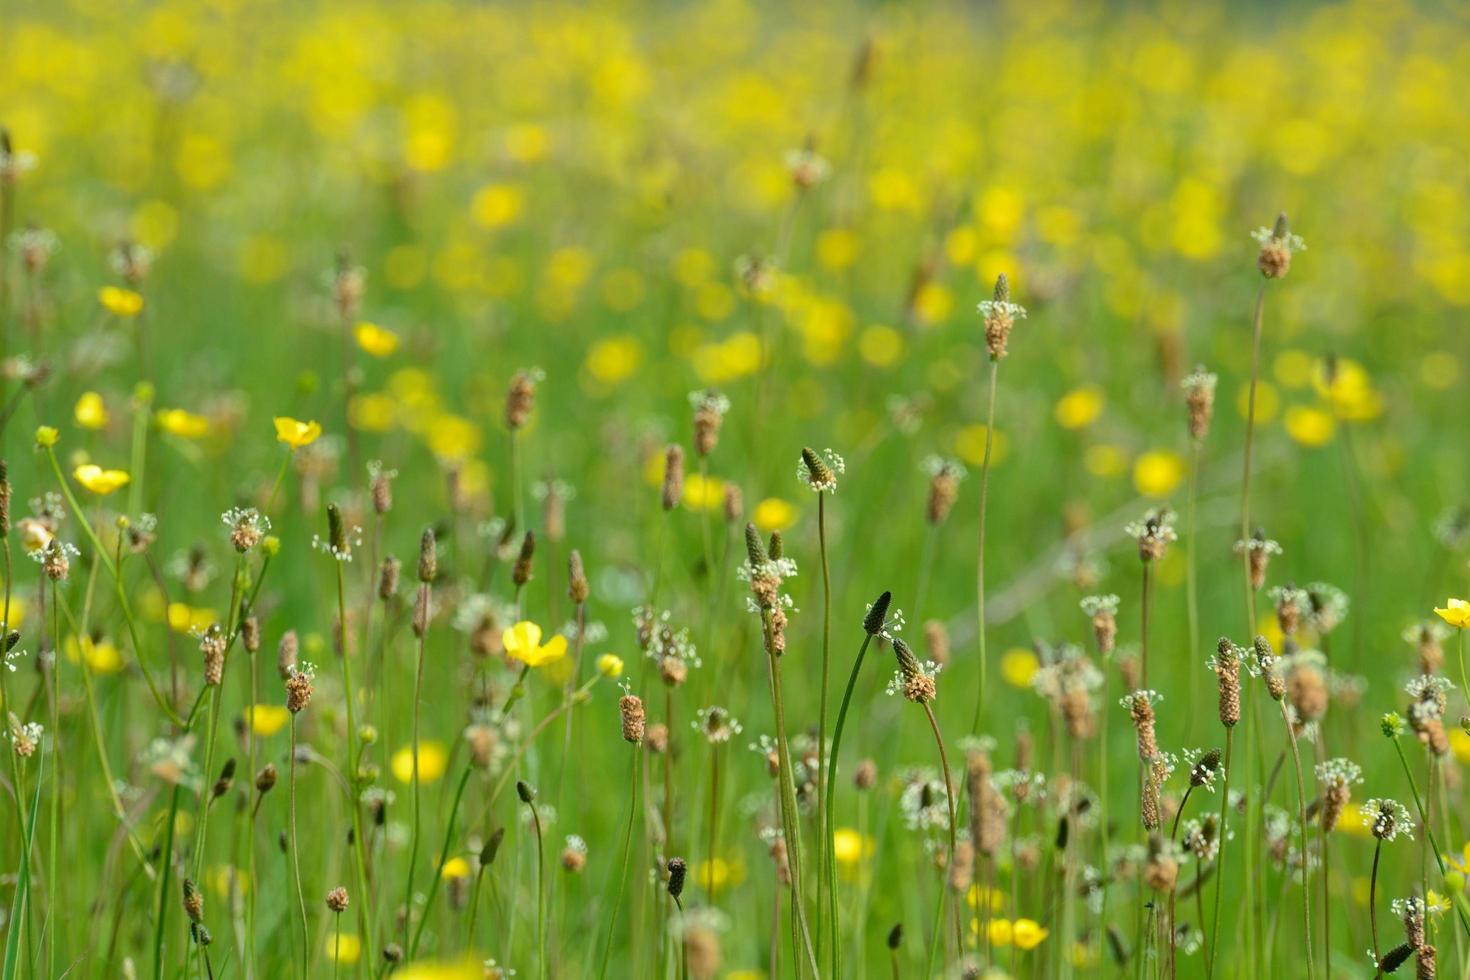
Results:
<point x="443" y="858"/>
<point x="829" y="829"/>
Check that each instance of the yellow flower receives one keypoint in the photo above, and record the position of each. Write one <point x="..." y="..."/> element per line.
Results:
<point x="101" y="656"/>
<point x="774" y="514"/>
<point x="466" y="970"/>
<point x="432" y="761"/>
<point x="266" y="719"/>
<point x="100" y="481"/>
<point x="1079" y="407"/>
<point x="185" y="425"/>
<point x="183" y="618"/>
<point x="1018" y="666"/>
<point x="1311" y="427"/>
<point x="375" y="340"/>
<point x="610" y="665"/>
<point x="1456" y="613"/>
<point x="296" y="434"/>
<point x="1000" y="932"/>
<point x="1460" y="745"/>
<point x="345" y="948"/>
<point x="850" y="847"/>
<point x="455" y="867"/>
<point x="703" y="492"/>
<point x="91" y="411"/>
<point x="119" y="301"/>
<point x="718" y="873"/>
<point x="1460" y="862"/>
<point x="978" y="896"/>
<point x="1027" y="933"/>
<point x="1351" y="822"/>
<point x="1157" y="473"/>
<point x="523" y="642"/>
<point x="46" y="436"/>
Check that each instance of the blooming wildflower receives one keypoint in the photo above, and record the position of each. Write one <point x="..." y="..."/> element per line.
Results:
<point x="610" y="665"/>
<point x="1387" y="819"/>
<point x="339" y="541"/>
<point x="100" y="481"/>
<point x="1199" y="398"/>
<point x="1258" y="550"/>
<point x="1327" y="606"/>
<point x="181" y="423"/>
<point x="922" y="802"/>
<point x="247" y="526"/>
<point x="91" y="411"/>
<point x="1153" y="532"/>
<point x="1456" y="612"/>
<point x="25" y="738"/>
<point x="807" y="168"/>
<point x="375" y="340"/>
<point x="523" y="642"/>
<point x="716" y="724"/>
<point x="1204" y="766"/>
<point x="1278" y="244"/>
<point x="819" y="471"/>
<point x="120" y="302"/>
<point x="296" y="434"/>
<point x="999" y="315"/>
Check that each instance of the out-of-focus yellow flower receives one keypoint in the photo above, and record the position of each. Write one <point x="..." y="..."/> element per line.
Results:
<point x="345" y="948"/>
<point x="1080" y="407"/>
<point x="375" y="340"/>
<point x="1028" y="933"/>
<point x="1456" y="612"/>
<point x="979" y="895"/>
<point x="100" y="481"/>
<point x="455" y="867"/>
<point x="703" y="492"/>
<point x="837" y="248"/>
<point x="850" y="847"/>
<point x="182" y="423"/>
<point x="100" y="656"/>
<point x="1311" y="427"/>
<point x="496" y="205"/>
<point x="1019" y="666"/>
<point x="614" y="359"/>
<point x="266" y="719"/>
<point x="774" y="514"/>
<point x="47" y="436"/>
<point x="1350" y="391"/>
<point x="1104" y="460"/>
<point x="1157" y="473"/>
<point x="718" y="873"/>
<point x="432" y="761"/>
<point x="1460" y="745"/>
<point x="183" y="618"/>
<point x="523" y="642"/>
<point x="467" y="970"/>
<point x="453" y="437"/>
<point x="90" y="411"/>
<point x="120" y="302"/>
<point x="969" y="445"/>
<point x="880" y="346"/>
<point x="295" y="433"/>
<point x="372" y="412"/>
<point x="1351" y="822"/>
<point x="1000" y="932"/>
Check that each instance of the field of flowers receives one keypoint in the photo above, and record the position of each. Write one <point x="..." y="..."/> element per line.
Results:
<point x="734" y="490"/>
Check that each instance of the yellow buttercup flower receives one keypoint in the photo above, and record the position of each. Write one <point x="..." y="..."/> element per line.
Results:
<point x="185" y="425"/>
<point x="1028" y="933"/>
<point x="432" y="761"/>
<point x="47" y="436"/>
<point x="100" y="481"/>
<point x="774" y="514"/>
<point x="344" y="948"/>
<point x="467" y="970"/>
<point x="1079" y="407"/>
<point x="375" y="340"/>
<point x="523" y="642"/>
<point x="1456" y="613"/>
<point x="266" y="719"/>
<point x="850" y="847"/>
<point x="610" y="665"/>
<point x="295" y="433"/>
<point x="455" y="867"/>
<point x="1019" y="666"/>
<point x="91" y="411"/>
<point x="100" y="656"/>
<point x="120" y="302"/>
<point x="1157" y="473"/>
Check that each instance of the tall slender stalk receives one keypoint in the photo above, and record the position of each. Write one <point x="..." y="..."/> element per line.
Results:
<point x="824" y="841"/>
<point x="1212" y="940"/>
<point x="980" y="548"/>
<point x="365" y="918"/>
<point x="296" y="850"/>
<point x="616" y="901"/>
<point x="418" y="693"/>
<point x="828" y="828"/>
<point x="1301" y="800"/>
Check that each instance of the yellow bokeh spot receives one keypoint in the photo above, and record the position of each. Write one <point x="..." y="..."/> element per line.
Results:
<point x="774" y="514"/>
<point x="1105" y="460"/>
<point x="266" y="719"/>
<point x="183" y="618"/>
<point x="1080" y="407"/>
<point x="1268" y="402"/>
<point x="455" y="867"/>
<point x="703" y="492"/>
<point x="837" y="248"/>
<point x="614" y="359"/>
<point x="850" y="847"/>
<point x="1157" y="473"/>
<point x="375" y="340"/>
<point x="120" y="302"/>
<point x="1018" y="666"/>
<point x="719" y="873"/>
<point x="344" y="948"/>
<point x="432" y="761"/>
<point x="496" y="205"/>
<point x="969" y="445"/>
<point x="880" y="346"/>
<point x="181" y="423"/>
<point x="1309" y="426"/>
<point x="91" y="411"/>
<point x="101" y="656"/>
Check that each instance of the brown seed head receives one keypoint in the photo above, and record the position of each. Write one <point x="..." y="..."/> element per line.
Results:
<point x="577" y="587"/>
<point x="428" y="556"/>
<point x="630" y="706"/>
<point x="673" y="488"/>
<point x="337" y="899"/>
<point x="388" y="577"/>
<point x="521" y="571"/>
<point x="520" y="400"/>
<point x="298" y="692"/>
